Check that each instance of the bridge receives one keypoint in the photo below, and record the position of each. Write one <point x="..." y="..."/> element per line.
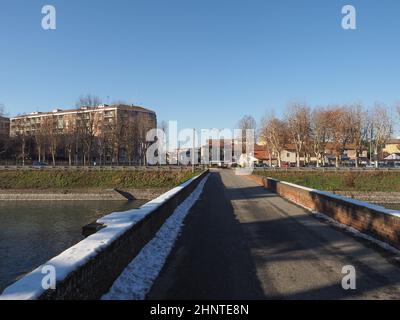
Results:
<point x="240" y="241"/>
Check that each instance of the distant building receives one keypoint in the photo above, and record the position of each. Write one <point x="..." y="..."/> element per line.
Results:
<point x="262" y="156"/>
<point x="392" y="146"/>
<point x="4" y="126"/>
<point x="219" y="152"/>
<point x="66" y="119"/>
<point x="288" y="154"/>
<point x="96" y="135"/>
<point x="184" y="156"/>
<point x="393" y="157"/>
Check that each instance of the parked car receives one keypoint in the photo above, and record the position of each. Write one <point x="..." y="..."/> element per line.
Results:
<point x="261" y="165"/>
<point x="39" y="164"/>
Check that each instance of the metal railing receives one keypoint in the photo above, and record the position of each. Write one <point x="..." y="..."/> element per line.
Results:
<point x="100" y="168"/>
<point x="327" y="169"/>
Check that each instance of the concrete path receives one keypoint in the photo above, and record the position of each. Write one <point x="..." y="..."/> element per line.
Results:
<point x="242" y="242"/>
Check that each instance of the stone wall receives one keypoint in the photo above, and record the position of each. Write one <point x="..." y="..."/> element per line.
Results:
<point x="78" y="195"/>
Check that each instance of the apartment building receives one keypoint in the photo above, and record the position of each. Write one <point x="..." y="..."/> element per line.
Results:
<point x="102" y="134"/>
<point x="4" y="126"/>
<point x="100" y="118"/>
<point x="391" y="146"/>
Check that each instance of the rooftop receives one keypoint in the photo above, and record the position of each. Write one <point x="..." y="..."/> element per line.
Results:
<point x="84" y="108"/>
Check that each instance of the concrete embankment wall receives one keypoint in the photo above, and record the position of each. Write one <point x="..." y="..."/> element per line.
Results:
<point x="381" y="223"/>
<point x="77" y="195"/>
<point x="88" y="269"/>
<point x="374" y="197"/>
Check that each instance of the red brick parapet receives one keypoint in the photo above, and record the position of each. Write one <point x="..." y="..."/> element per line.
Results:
<point x="379" y="222"/>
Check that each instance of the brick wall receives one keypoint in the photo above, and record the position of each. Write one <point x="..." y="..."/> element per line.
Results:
<point x="373" y="221"/>
<point x="94" y="278"/>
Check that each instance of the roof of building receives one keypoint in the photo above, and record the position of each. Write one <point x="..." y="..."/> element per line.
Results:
<point x="291" y="147"/>
<point x="84" y="108"/>
<point x="393" y="156"/>
<point x="393" y="141"/>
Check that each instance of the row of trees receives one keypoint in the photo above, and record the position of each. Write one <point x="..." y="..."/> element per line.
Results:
<point x="311" y="130"/>
<point x="84" y="138"/>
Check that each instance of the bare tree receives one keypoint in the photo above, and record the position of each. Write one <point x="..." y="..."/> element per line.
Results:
<point x="340" y="128"/>
<point x="320" y="123"/>
<point x="102" y="140"/>
<point x="299" y="126"/>
<point x="274" y="132"/>
<point x="87" y="122"/>
<point x="263" y="134"/>
<point x="49" y="127"/>
<point x="4" y="139"/>
<point x="381" y="128"/>
<point x="247" y="122"/>
<point x="87" y="126"/>
<point x="69" y="139"/>
<point x="144" y="125"/>
<point x="88" y="100"/>
<point x="39" y="136"/>
<point x="22" y="138"/>
<point x="359" y="129"/>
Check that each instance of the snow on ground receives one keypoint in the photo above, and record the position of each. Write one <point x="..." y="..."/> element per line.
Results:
<point x="137" y="279"/>
<point x="30" y="286"/>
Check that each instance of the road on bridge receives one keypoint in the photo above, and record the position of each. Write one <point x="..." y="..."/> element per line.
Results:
<point x="242" y="242"/>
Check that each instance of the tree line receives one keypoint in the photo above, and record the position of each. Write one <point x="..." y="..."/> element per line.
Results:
<point x="310" y="130"/>
<point x="83" y="139"/>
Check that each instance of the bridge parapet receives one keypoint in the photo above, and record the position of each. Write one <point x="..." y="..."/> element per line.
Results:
<point x="377" y="221"/>
<point x="88" y="269"/>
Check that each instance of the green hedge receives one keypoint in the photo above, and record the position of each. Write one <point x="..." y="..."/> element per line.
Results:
<point x="54" y="179"/>
<point x="342" y="181"/>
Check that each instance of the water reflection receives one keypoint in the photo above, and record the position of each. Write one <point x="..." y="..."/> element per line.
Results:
<point x="32" y="232"/>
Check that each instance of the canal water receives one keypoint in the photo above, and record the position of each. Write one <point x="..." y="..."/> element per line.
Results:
<point x="32" y="232"/>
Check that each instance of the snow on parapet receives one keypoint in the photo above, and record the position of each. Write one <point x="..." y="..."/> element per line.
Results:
<point x="30" y="286"/>
<point x="138" y="277"/>
<point x="368" y="205"/>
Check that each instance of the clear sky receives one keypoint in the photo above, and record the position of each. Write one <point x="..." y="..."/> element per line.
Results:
<point x="204" y="63"/>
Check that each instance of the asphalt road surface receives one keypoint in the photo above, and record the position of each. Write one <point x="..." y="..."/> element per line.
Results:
<point x="242" y="242"/>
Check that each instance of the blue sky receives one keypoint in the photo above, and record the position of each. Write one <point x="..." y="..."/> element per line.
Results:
<point x="204" y="63"/>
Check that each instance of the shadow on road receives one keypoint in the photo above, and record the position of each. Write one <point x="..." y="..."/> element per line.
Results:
<point x="210" y="259"/>
<point x="242" y="242"/>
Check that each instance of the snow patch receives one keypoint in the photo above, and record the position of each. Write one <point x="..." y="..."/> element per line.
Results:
<point x="138" y="277"/>
<point x="30" y="286"/>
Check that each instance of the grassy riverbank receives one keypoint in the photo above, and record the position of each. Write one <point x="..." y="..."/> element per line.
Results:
<point x="54" y="179"/>
<point x="342" y="181"/>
